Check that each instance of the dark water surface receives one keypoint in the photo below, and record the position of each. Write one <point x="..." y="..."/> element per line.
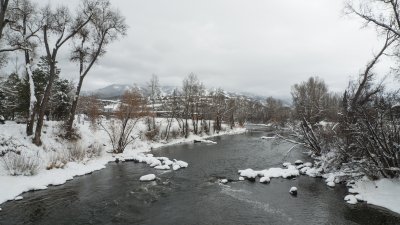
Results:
<point x="193" y="195"/>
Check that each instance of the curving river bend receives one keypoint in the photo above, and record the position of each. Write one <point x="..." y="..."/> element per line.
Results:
<point x="193" y="195"/>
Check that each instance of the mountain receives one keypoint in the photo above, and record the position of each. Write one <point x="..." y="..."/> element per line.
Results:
<point x="115" y="91"/>
<point x="110" y="92"/>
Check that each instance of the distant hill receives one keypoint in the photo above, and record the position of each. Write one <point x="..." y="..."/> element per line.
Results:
<point x="115" y="91"/>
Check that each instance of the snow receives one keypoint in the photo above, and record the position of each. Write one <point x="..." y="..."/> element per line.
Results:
<point x="293" y="190"/>
<point x="207" y="141"/>
<point x="308" y="164"/>
<point x="351" y="199"/>
<point x="32" y="95"/>
<point x="384" y="192"/>
<point x="148" y="177"/>
<point x="352" y="191"/>
<point x="175" y="167"/>
<point x="266" y="138"/>
<point x="311" y="172"/>
<point x="331" y="184"/>
<point x="180" y="163"/>
<point x="286" y="164"/>
<point x="241" y="178"/>
<point x="18" y="198"/>
<point x="288" y="172"/>
<point x="359" y="198"/>
<point x="249" y="173"/>
<point x="298" y="162"/>
<point x="224" y="181"/>
<point x="265" y="180"/>
<point x="163" y="167"/>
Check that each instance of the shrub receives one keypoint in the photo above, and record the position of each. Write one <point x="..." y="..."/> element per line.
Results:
<point x="20" y="164"/>
<point x="152" y="135"/>
<point x="95" y="150"/>
<point x="57" y="160"/>
<point x="76" y="153"/>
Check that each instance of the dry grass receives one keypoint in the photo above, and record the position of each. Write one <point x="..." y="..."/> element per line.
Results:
<point x="20" y="164"/>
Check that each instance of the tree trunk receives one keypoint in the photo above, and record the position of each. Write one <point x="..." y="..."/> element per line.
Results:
<point x="3" y="21"/>
<point x="42" y="109"/>
<point x="72" y="113"/>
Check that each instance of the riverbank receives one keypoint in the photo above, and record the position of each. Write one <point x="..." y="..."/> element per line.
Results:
<point x="382" y="192"/>
<point x="57" y="160"/>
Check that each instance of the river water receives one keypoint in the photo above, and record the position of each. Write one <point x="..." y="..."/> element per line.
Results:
<point x="193" y="195"/>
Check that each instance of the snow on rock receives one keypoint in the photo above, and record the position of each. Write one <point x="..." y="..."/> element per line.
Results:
<point x="311" y="172"/>
<point x="265" y="180"/>
<point x="293" y="191"/>
<point x="352" y="191"/>
<point x="182" y="164"/>
<point x="289" y="172"/>
<point x="148" y="177"/>
<point x="300" y="166"/>
<point x="18" y="198"/>
<point x="298" y="162"/>
<point x="304" y="170"/>
<point x="159" y="163"/>
<point x="266" y="138"/>
<point x="384" y="192"/>
<point x="248" y="173"/>
<point x="330" y="180"/>
<point x="224" y="181"/>
<point x="308" y="164"/>
<point x="267" y="174"/>
<point x="286" y="164"/>
<point x="163" y="167"/>
<point x="331" y="184"/>
<point x="351" y="199"/>
<point x="241" y="178"/>
<point x="175" y="166"/>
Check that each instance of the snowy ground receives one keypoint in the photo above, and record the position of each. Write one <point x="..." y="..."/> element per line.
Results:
<point x="13" y="186"/>
<point x="384" y="192"/>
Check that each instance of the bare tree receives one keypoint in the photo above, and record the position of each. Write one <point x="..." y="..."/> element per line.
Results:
<point x="130" y="111"/>
<point x="3" y="19"/>
<point x="190" y="94"/>
<point x="105" y="26"/>
<point x="59" y="27"/>
<point x="25" y="25"/>
<point x="154" y="95"/>
<point x="311" y="101"/>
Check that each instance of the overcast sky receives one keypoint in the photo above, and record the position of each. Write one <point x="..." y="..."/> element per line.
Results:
<point x="258" y="46"/>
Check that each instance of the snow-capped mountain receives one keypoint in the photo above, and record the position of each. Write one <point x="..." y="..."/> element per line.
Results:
<point x="114" y="91"/>
<point x="111" y="91"/>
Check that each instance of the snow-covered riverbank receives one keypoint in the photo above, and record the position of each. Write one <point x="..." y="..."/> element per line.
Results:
<point x="383" y="192"/>
<point x="52" y="171"/>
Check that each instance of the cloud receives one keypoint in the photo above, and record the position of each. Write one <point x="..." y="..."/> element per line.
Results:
<point x="257" y="46"/>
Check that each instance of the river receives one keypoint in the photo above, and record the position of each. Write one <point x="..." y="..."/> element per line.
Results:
<point x="193" y="195"/>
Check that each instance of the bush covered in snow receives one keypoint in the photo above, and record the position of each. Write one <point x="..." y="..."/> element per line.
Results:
<point x="20" y="164"/>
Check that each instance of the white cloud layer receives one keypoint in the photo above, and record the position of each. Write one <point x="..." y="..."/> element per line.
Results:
<point x="258" y="46"/>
